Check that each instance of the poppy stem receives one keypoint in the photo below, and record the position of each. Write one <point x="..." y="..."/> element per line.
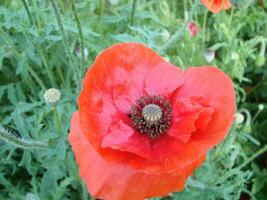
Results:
<point x="66" y="44"/>
<point x="10" y="138"/>
<point x="79" y="27"/>
<point x="204" y="28"/>
<point x="133" y="11"/>
<point x="253" y="157"/>
<point x="25" y="5"/>
<point x="57" y="119"/>
<point x="179" y="33"/>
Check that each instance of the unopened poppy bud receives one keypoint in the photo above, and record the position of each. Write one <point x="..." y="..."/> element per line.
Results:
<point x="260" y="107"/>
<point x="52" y="96"/>
<point x="79" y="54"/>
<point x="114" y="2"/>
<point x="165" y="35"/>
<point x="32" y="196"/>
<point x="239" y="118"/>
<point x="260" y="61"/>
<point x="193" y="29"/>
<point x="209" y="55"/>
<point x="235" y="56"/>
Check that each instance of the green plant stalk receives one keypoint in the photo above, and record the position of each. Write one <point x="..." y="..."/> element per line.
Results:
<point x="10" y="43"/>
<point x="253" y="157"/>
<point x="57" y="120"/>
<point x="26" y="7"/>
<point x="263" y="47"/>
<point x="41" y="49"/>
<point x="102" y="7"/>
<point x="256" y="115"/>
<point x="37" y="78"/>
<point x="185" y="10"/>
<point x="7" y="137"/>
<point x="65" y="42"/>
<point x="133" y="11"/>
<point x="79" y="27"/>
<point x="204" y="27"/>
<point x="179" y="33"/>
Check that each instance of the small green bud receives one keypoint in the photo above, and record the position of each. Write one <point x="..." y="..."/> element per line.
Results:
<point x="260" y="60"/>
<point x="165" y="35"/>
<point x="114" y="2"/>
<point x="247" y="128"/>
<point x="260" y="107"/>
<point x="239" y="118"/>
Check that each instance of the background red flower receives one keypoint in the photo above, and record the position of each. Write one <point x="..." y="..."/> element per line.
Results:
<point x="117" y="160"/>
<point x="216" y="6"/>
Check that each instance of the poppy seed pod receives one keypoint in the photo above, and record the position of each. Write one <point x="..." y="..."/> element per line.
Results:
<point x="52" y="96"/>
<point x="143" y="125"/>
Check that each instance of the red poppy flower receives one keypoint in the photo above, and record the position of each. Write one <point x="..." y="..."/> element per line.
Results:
<point x="216" y="6"/>
<point x="143" y="125"/>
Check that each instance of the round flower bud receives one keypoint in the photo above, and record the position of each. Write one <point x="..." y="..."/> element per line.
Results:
<point x="209" y="55"/>
<point x="32" y="196"/>
<point x="79" y="54"/>
<point x="165" y="35"/>
<point x="234" y="56"/>
<point x="114" y="2"/>
<point x="260" y="107"/>
<point x="52" y="96"/>
<point x="239" y="118"/>
<point x="260" y="61"/>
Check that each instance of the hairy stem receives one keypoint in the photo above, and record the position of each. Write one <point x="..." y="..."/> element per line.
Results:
<point x="179" y="33"/>
<point x="253" y="157"/>
<point x="79" y="27"/>
<point x="65" y="41"/>
<point x="133" y="11"/>
<point x="9" y="138"/>
<point x="26" y="7"/>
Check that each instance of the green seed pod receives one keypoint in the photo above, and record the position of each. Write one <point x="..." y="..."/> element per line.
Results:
<point x="260" y="60"/>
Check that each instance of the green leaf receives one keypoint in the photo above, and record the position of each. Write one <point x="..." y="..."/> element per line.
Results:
<point x="2" y="56"/>
<point x="22" y="63"/>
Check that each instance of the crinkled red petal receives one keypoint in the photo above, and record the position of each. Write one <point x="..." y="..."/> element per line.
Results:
<point x="117" y="181"/>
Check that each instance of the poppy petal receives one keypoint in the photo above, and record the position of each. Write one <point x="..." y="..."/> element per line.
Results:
<point x="188" y="115"/>
<point x="119" y="133"/>
<point x="112" y="85"/>
<point x="217" y="88"/>
<point x="101" y="176"/>
<point x="156" y="83"/>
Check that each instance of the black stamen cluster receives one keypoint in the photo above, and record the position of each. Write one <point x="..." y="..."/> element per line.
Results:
<point x="156" y="129"/>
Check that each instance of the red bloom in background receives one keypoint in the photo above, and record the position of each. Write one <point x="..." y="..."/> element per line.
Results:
<point x="143" y="125"/>
<point x="193" y="29"/>
<point x="216" y="6"/>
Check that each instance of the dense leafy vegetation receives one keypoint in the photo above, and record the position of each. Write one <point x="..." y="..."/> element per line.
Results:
<point x="41" y="46"/>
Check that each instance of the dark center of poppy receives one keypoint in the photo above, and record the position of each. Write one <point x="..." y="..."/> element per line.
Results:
<point x="151" y="115"/>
